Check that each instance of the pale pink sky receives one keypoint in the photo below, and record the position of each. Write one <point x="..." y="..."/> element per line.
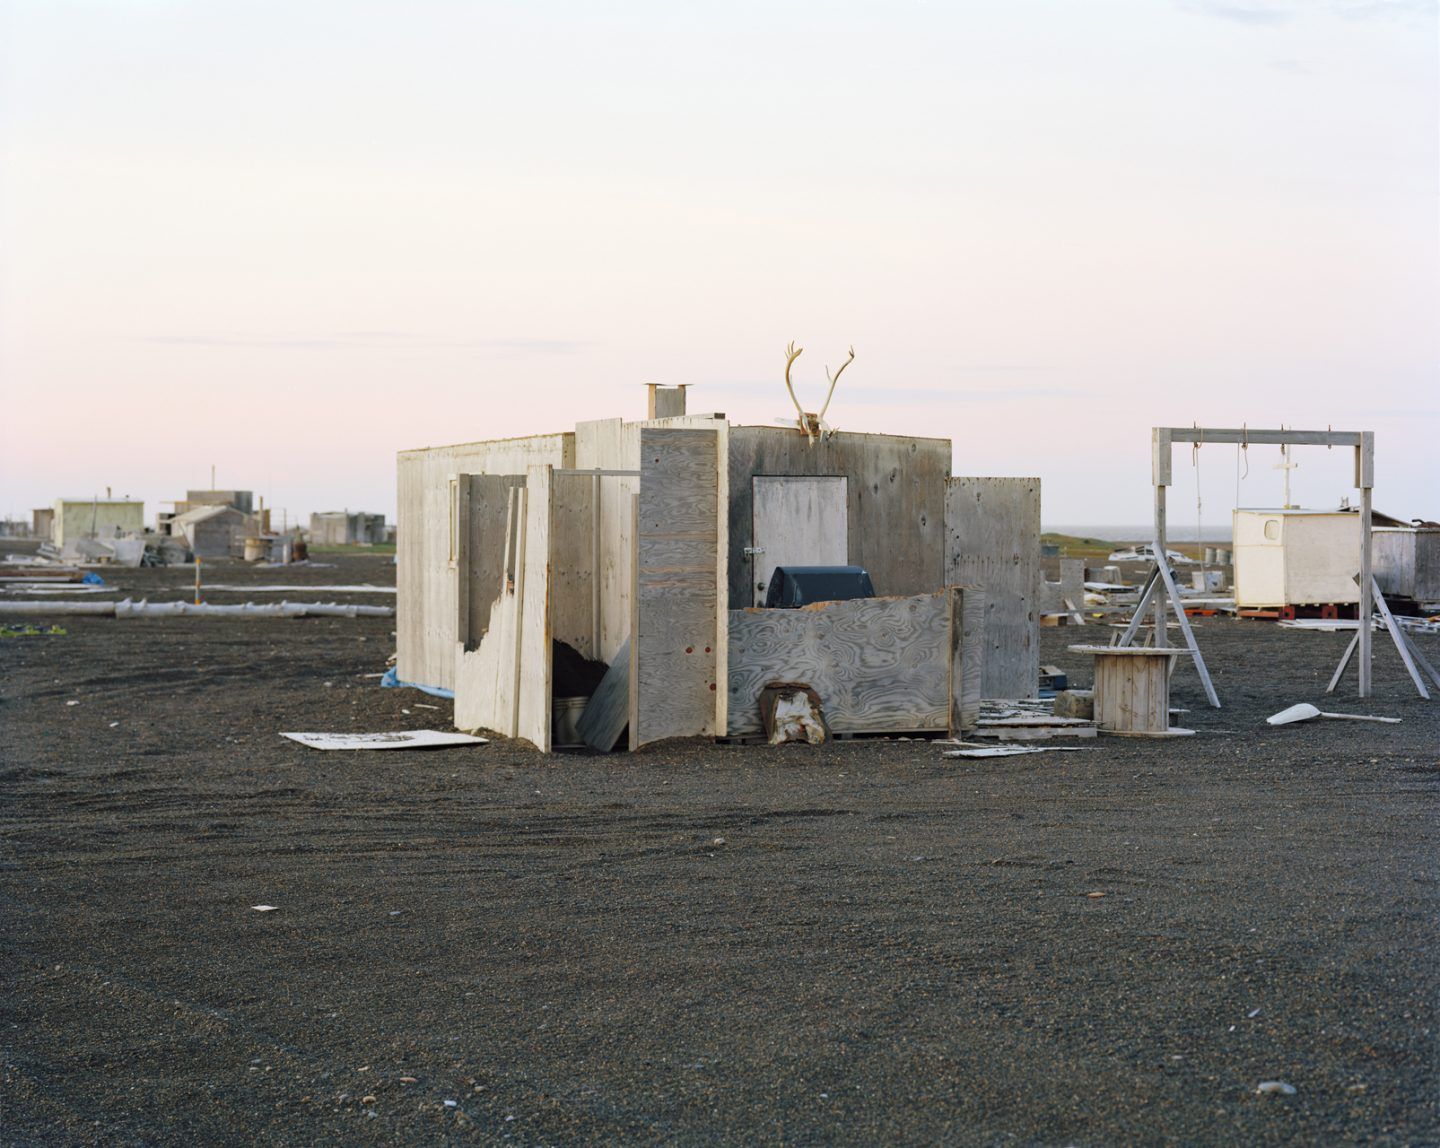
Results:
<point x="291" y="239"/>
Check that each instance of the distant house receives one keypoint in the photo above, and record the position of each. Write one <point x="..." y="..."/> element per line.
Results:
<point x="212" y="531"/>
<point x="77" y="518"/>
<point x="344" y="528"/>
<point x="243" y="500"/>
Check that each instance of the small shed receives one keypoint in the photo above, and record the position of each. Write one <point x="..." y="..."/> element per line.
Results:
<point x="1406" y="561"/>
<point x="76" y="518"/>
<point x="1290" y="557"/>
<point x="646" y="548"/>
<point x="212" y="531"/>
<point x="346" y="528"/>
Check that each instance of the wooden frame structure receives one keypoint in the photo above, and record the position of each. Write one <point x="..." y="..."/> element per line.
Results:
<point x="628" y="542"/>
<point x="1160" y="586"/>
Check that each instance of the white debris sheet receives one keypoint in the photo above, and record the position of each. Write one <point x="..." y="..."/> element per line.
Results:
<point x="286" y="588"/>
<point x="1012" y="750"/>
<point x="399" y="739"/>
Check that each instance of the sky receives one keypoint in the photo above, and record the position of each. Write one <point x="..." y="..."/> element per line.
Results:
<point x="289" y="239"/>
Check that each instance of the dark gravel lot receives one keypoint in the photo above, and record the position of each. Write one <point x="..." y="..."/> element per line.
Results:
<point x="857" y="943"/>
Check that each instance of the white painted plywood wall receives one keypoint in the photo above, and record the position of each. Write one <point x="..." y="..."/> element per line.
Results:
<point x="425" y="573"/>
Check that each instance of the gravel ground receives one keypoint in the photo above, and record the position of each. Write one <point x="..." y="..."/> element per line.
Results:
<point x="855" y="943"/>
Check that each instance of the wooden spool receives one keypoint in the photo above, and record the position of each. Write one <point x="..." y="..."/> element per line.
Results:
<point x="1132" y="690"/>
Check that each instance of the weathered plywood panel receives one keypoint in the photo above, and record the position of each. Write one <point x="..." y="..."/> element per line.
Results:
<point x="992" y="540"/>
<point x="799" y="521"/>
<point x="573" y="546"/>
<point x="503" y="684"/>
<point x="1392" y="560"/>
<point x="878" y="664"/>
<point x="487" y="670"/>
<point x="1071" y="586"/>
<point x="426" y="584"/>
<point x="677" y="527"/>
<point x="610" y="444"/>
<point x="535" y="647"/>
<point x="613" y="444"/>
<point x="895" y="494"/>
<point x="967" y="656"/>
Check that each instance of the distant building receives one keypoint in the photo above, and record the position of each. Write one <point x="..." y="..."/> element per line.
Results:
<point x="344" y="528"/>
<point x="242" y="500"/>
<point x="76" y="518"/>
<point x="213" y="531"/>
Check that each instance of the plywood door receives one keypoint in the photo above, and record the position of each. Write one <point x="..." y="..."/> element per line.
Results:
<point x="797" y="522"/>
<point x="992" y="533"/>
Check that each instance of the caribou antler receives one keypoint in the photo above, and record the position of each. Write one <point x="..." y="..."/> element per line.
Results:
<point x="836" y="379"/>
<point x="791" y="354"/>
<point x="813" y="425"/>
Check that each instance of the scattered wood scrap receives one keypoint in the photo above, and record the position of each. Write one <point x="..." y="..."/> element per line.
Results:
<point x="1027" y="720"/>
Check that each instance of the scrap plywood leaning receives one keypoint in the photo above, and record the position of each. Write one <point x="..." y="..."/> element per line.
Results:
<point x="677" y="624"/>
<point x="536" y="658"/>
<point x="992" y="540"/>
<point x="880" y="665"/>
<point x="502" y="671"/>
<point x="608" y="711"/>
<point x="488" y="616"/>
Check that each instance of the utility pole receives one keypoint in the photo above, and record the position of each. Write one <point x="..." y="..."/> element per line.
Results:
<point x="1287" y="466"/>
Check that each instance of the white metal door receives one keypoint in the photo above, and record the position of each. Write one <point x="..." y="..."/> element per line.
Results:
<point x="797" y="522"/>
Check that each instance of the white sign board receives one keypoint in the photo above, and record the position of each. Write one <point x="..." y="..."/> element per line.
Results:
<point x="400" y="739"/>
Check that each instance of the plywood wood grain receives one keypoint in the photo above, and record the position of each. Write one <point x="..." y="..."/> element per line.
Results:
<point x="878" y="664"/>
<point x="992" y="540"/>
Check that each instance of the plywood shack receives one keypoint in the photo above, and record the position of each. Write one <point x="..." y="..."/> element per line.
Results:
<point x="1295" y="557"/>
<point x="638" y="541"/>
<point x="992" y="540"/>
